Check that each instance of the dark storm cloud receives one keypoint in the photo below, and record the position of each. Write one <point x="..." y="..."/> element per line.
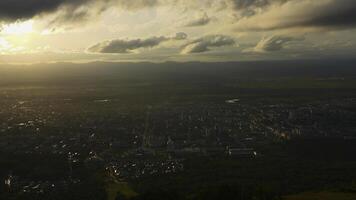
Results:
<point x="329" y="14"/>
<point x="340" y="13"/>
<point x="13" y="10"/>
<point x="251" y="7"/>
<point x="128" y="46"/>
<point x="248" y="4"/>
<point x="250" y="14"/>
<point x="205" y="43"/>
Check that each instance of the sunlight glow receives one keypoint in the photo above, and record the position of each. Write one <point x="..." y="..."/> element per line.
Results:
<point x="4" y="45"/>
<point x="18" y="28"/>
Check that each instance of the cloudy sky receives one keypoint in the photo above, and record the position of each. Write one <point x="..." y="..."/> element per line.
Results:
<point x="33" y="31"/>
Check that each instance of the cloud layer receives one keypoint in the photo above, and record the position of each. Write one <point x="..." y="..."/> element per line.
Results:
<point x="128" y="46"/>
<point x="301" y="13"/>
<point x="213" y="25"/>
<point x="275" y="43"/>
<point x="202" y="20"/>
<point x="14" y="10"/>
<point x="206" y="43"/>
<point x="250" y="14"/>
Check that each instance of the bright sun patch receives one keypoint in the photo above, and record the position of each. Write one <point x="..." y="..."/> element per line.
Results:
<point x="4" y="44"/>
<point x="16" y="37"/>
<point x="18" y="28"/>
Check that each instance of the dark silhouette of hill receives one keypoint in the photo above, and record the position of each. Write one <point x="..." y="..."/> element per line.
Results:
<point x="176" y="72"/>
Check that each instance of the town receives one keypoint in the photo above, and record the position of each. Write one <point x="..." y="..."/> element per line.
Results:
<point x="136" y="141"/>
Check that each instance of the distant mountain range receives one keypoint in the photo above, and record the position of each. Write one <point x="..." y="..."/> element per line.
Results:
<point x="176" y="71"/>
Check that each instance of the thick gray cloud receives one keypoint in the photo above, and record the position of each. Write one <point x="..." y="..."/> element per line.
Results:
<point x="251" y="14"/>
<point x="180" y="36"/>
<point x="246" y="8"/>
<point x="275" y="43"/>
<point x="242" y="4"/>
<point x="13" y="10"/>
<point x="338" y="13"/>
<point x="128" y="46"/>
<point x="299" y="13"/>
<point x="205" y="43"/>
<point x="202" y="20"/>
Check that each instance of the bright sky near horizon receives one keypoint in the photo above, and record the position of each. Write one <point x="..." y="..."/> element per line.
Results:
<point x="33" y="31"/>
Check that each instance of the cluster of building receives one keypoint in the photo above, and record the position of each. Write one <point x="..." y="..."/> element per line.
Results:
<point x="155" y="140"/>
<point x="20" y="185"/>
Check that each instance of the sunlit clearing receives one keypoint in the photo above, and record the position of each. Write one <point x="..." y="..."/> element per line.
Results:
<point x="4" y="45"/>
<point x="18" y="28"/>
